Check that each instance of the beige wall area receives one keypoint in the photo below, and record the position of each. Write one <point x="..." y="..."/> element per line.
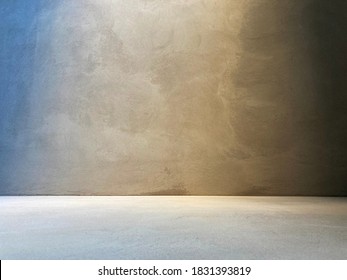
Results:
<point x="186" y="97"/>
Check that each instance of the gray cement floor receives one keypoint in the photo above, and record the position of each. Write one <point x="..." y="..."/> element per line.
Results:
<point x="173" y="227"/>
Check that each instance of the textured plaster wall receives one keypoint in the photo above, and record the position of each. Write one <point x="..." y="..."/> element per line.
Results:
<point x="119" y="97"/>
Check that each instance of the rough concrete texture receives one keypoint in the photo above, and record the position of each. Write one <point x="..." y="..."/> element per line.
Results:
<point x="118" y="97"/>
<point x="184" y="227"/>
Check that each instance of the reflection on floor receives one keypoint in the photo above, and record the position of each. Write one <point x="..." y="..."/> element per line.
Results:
<point x="173" y="227"/>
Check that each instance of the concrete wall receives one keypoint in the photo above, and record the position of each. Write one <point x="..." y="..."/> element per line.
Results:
<point x="119" y="97"/>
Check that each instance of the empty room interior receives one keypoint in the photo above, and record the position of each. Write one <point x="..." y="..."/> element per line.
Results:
<point x="178" y="129"/>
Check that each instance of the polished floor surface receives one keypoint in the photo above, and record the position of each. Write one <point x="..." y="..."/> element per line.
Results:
<point x="173" y="227"/>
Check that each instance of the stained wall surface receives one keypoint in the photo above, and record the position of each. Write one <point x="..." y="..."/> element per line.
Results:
<point x="145" y="97"/>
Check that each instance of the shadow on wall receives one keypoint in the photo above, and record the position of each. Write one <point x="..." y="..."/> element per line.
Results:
<point x="291" y="96"/>
<point x="327" y="23"/>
